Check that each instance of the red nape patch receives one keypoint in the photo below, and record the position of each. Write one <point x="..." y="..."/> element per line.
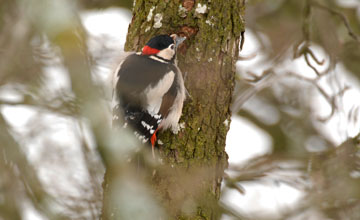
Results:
<point x="149" y="51"/>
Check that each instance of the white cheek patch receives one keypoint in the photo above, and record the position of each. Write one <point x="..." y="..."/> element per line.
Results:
<point x="167" y="53"/>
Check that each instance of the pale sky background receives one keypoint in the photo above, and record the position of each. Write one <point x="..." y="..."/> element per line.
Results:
<point x="244" y="140"/>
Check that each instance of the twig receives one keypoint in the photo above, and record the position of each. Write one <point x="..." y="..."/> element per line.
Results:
<point x="256" y="78"/>
<point x="309" y="52"/>
<point x="330" y="99"/>
<point x="343" y="17"/>
<point x="247" y="57"/>
<point x="242" y="40"/>
<point x="310" y="65"/>
<point x="260" y="82"/>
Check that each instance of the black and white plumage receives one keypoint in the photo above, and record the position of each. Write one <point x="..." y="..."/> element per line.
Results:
<point x="149" y="89"/>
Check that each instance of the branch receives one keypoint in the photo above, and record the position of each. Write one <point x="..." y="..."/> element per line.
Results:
<point x="65" y="107"/>
<point x="260" y="82"/>
<point x="305" y="50"/>
<point x="342" y="16"/>
<point x="331" y="99"/>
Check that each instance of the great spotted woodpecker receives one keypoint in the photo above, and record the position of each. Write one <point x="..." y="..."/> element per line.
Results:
<point x="149" y="89"/>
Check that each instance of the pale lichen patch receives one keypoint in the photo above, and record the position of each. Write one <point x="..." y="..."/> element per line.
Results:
<point x="182" y="11"/>
<point x="150" y="15"/>
<point x="157" y="19"/>
<point x="226" y="123"/>
<point x="209" y="23"/>
<point x="201" y="9"/>
<point x="182" y="125"/>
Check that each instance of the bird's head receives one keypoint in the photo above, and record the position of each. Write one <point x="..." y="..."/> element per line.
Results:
<point x="163" y="46"/>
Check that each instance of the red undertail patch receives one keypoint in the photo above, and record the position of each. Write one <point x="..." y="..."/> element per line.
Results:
<point x="153" y="138"/>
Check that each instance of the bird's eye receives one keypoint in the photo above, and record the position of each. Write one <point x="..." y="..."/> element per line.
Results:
<point x="172" y="46"/>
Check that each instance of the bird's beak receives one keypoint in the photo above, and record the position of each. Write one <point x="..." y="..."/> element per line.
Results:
<point x="179" y="40"/>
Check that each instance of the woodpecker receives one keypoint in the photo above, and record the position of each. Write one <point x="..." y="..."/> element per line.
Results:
<point x="149" y="89"/>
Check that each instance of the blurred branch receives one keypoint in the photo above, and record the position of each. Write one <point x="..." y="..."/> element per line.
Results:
<point x="306" y="22"/>
<point x="260" y="82"/>
<point x="303" y="47"/>
<point x="342" y="17"/>
<point x="64" y="105"/>
<point x="247" y="57"/>
<point x="242" y="41"/>
<point x="334" y="169"/>
<point x="16" y="160"/>
<point x="20" y="33"/>
<point x="95" y="171"/>
<point x="256" y="78"/>
<point x="267" y="166"/>
<point x="232" y="212"/>
<point x="304" y="50"/>
<point x="97" y="4"/>
<point x="331" y="99"/>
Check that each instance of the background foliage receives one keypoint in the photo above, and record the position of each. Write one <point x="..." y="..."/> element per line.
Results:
<point x="39" y="37"/>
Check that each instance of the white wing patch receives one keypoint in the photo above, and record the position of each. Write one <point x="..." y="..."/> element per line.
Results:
<point x="172" y="120"/>
<point x="154" y="94"/>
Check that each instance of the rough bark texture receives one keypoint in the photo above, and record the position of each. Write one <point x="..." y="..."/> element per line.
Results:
<point x="195" y="158"/>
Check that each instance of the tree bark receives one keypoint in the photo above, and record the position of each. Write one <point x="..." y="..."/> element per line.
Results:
<point x="188" y="184"/>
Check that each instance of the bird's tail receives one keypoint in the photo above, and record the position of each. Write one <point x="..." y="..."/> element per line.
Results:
<point x="144" y="124"/>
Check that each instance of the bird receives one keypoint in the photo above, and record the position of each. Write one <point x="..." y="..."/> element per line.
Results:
<point x="149" y="90"/>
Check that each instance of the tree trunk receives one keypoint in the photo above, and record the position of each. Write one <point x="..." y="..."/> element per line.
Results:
<point x="195" y="158"/>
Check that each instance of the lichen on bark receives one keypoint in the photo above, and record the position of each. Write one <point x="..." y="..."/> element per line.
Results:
<point x="207" y="60"/>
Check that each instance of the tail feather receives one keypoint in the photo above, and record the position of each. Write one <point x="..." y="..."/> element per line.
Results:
<point x="144" y="123"/>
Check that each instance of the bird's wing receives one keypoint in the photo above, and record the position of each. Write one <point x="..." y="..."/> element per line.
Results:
<point x="143" y="82"/>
